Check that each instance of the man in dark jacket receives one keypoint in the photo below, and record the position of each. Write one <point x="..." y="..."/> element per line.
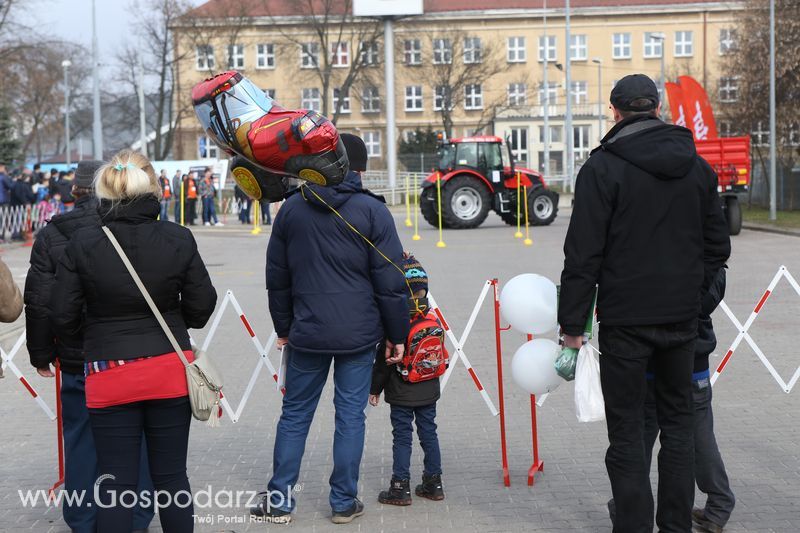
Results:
<point x="5" y="185"/>
<point x="333" y="296"/>
<point x="45" y="348"/>
<point x="647" y="226"/>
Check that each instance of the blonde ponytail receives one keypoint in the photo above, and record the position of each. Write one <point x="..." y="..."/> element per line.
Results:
<point x="127" y="176"/>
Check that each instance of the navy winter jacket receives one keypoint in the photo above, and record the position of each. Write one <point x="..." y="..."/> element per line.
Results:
<point x="329" y="291"/>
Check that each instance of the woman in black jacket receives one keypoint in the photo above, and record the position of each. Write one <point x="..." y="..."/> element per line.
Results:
<point x="135" y="382"/>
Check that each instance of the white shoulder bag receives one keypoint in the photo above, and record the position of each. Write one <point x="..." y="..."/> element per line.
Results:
<point x="203" y="378"/>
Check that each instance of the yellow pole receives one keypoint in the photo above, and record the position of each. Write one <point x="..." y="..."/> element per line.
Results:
<point x="441" y="243"/>
<point x="183" y="204"/>
<point x="416" y="236"/>
<point x="257" y="219"/>
<point x="518" y="234"/>
<point x="408" y="203"/>
<point x="528" y="240"/>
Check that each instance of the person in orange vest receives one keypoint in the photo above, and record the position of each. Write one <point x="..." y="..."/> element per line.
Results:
<point x="166" y="195"/>
<point x="190" y="190"/>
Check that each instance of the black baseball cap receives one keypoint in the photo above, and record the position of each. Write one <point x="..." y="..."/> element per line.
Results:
<point x="634" y="87"/>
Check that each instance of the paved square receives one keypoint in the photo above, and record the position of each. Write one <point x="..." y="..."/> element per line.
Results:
<point x="757" y="423"/>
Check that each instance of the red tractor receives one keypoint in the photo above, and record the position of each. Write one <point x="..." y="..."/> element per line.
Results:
<point x="478" y="174"/>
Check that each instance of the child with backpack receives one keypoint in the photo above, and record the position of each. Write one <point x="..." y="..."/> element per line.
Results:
<point x="411" y="388"/>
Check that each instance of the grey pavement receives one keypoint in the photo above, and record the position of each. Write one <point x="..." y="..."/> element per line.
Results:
<point x="757" y="423"/>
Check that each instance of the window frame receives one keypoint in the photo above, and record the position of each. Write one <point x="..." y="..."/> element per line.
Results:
<point x="473" y="97"/>
<point x="730" y="88"/>
<point x="204" y="62"/>
<point x="413" y="52"/>
<point x="650" y="41"/>
<point x="239" y="57"/>
<point x="340" y="54"/>
<point x="517" y="94"/>
<point x="346" y="108"/>
<point x="618" y="49"/>
<point x="520" y="50"/>
<point x="546" y="47"/>
<point x="372" y="98"/>
<point x="306" y="99"/>
<point x="265" y="52"/>
<point x="684" y="48"/>
<point x="576" y="45"/>
<point x="443" y="49"/>
<point x="474" y="49"/>
<point x="372" y="140"/>
<point x="309" y="51"/>
<point x="414" y="93"/>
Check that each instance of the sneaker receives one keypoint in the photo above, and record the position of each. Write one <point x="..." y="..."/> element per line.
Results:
<point x="399" y="493"/>
<point x="206" y="223"/>
<point x="704" y="524"/>
<point x="345" y="517"/>
<point x="219" y="224"/>
<point x="264" y="511"/>
<point x="431" y="488"/>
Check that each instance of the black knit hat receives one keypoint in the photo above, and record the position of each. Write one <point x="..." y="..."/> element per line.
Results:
<point x="356" y="151"/>
<point x="84" y="175"/>
<point x="415" y="275"/>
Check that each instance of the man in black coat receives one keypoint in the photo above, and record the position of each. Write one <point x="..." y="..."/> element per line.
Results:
<point x="335" y="292"/>
<point x="45" y="348"/>
<point x="647" y="226"/>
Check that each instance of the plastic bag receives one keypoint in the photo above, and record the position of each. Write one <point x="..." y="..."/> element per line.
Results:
<point x="565" y="364"/>
<point x="589" y="404"/>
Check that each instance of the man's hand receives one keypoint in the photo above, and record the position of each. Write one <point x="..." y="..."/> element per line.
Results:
<point x="394" y="352"/>
<point x="571" y="341"/>
<point x="281" y="342"/>
<point x="45" y="372"/>
<point x="374" y="399"/>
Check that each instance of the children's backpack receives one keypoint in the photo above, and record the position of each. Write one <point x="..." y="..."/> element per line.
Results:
<point x="426" y="355"/>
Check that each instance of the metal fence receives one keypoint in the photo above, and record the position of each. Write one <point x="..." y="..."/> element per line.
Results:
<point x="787" y="188"/>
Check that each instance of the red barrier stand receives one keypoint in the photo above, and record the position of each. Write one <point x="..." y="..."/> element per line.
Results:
<point x="538" y="464"/>
<point x="60" y="433"/>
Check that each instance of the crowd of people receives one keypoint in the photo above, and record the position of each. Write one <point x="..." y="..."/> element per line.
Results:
<point x="647" y="227"/>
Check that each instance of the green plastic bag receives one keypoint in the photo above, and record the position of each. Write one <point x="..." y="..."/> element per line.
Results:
<point x="566" y="363"/>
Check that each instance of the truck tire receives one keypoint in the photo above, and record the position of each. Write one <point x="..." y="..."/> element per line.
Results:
<point x="733" y="214"/>
<point x="542" y="208"/>
<point x="427" y="206"/>
<point x="465" y="202"/>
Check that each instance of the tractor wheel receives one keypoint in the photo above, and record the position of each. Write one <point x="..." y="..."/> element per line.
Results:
<point x="542" y="208"/>
<point x="733" y="214"/>
<point x="465" y="202"/>
<point x="427" y="206"/>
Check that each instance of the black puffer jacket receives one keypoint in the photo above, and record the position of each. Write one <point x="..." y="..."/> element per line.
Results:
<point x="118" y="323"/>
<point x="43" y="346"/>
<point x="647" y="226"/>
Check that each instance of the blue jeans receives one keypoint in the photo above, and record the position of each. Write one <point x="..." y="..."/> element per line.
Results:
<point x="164" y="210"/>
<point x="306" y="375"/>
<point x="209" y="211"/>
<point x="402" y="417"/>
<point x="177" y="210"/>
<point x="80" y="462"/>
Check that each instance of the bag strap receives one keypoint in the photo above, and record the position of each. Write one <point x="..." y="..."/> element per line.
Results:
<point x="146" y="295"/>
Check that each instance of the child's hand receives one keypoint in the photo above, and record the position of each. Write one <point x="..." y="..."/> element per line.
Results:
<point x="374" y="399"/>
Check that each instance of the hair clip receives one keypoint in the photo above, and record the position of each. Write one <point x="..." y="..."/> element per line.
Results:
<point x="120" y="167"/>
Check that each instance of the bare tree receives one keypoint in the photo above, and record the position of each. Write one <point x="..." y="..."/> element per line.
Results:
<point x="154" y="48"/>
<point x="459" y="67"/>
<point x="339" y="50"/>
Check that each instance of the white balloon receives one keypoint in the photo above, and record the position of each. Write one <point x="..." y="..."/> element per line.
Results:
<point x="530" y="304"/>
<point x="532" y="367"/>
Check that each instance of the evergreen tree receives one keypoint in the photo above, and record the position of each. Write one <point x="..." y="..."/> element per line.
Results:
<point x="9" y="143"/>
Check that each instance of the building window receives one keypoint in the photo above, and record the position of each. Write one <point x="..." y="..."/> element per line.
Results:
<point x="579" y="91"/>
<point x="516" y="50"/>
<point x="372" y="140"/>
<point x="550" y="96"/>
<point x="412" y="52"/>
<point x="547" y="44"/>
<point x="441" y="98"/>
<point x="621" y="46"/>
<point x="206" y="148"/>
<point x="761" y="135"/>
<point x="337" y="93"/>
<point x="369" y="53"/>
<point x="472" y="50"/>
<point x="473" y="96"/>
<point x="270" y="93"/>
<point x="725" y="128"/>
<point x="340" y="55"/>
<point x="580" y="142"/>
<point x="519" y="144"/>
<point x="517" y="94"/>
<point x="309" y="55"/>
<point x="414" y="98"/>
<point x="578" y="49"/>
<point x="653" y="47"/>
<point x="442" y="51"/>
<point x="370" y="100"/>
<point x="683" y="44"/>
<point x="728" y="89"/>
<point x="235" y="56"/>
<point x="311" y="99"/>
<point x="265" y="56"/>
<point x="555" y="134"/>
<point x="727" y="40"/>
<point x="204" y="57"/>
<point x="794" y="134"/>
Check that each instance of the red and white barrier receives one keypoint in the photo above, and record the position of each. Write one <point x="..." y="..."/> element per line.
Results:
<point x="744" y="334"/>
<point x="8" y="362"/>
